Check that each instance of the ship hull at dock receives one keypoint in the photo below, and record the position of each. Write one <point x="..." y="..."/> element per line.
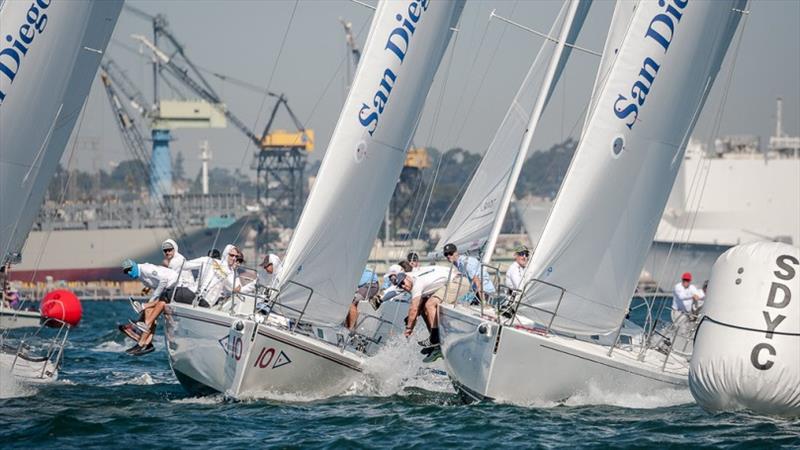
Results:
<point x="94" y="255"/>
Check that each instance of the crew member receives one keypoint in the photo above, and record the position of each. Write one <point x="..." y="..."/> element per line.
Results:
<point x="175" y="261"/>
<point x="427" y="290"/>
<point x="413" y="259"/>
<point x="367" y="288"/>
<point x="517" y="268"/>
<point x="685" y="297"/>
<point x="472" y="269"/>
<point x="162" y="282"/>
<point x="216" y="279"/>
<point x="270" y="268"/>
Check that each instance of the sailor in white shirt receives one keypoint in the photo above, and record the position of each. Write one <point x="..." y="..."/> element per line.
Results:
<point x="684" y="296"/>
<point x="175" y="261"/>
<point x="517" y="269"/>
<point x="426" y="286"/>
<point x="162" y="281"/>
<point x="216" y="279"/>
<point x="270" y="268"/>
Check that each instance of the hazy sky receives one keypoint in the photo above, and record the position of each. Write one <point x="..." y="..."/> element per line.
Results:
<point x="476" y="81"/>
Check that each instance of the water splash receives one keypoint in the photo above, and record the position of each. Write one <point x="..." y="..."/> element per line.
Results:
<point x="397" y="367"/>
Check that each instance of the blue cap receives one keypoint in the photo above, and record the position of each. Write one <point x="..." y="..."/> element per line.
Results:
<point x="130" y="267"/>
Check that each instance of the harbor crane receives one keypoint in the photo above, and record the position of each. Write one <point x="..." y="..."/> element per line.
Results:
<point x="280" y="157"/>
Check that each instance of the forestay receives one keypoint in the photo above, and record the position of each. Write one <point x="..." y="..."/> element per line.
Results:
<point x="49" y="53"/>
<point x="341" y="218"/>
<point x="482" y="203"/>
<point x="605" y="216"/>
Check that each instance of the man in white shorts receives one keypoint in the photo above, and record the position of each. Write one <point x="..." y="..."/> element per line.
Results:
<point x="427" y="286"/>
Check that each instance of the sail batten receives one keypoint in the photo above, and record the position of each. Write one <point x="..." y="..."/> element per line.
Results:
<point x="605" y="216"/>
<point x="340" y="220"/>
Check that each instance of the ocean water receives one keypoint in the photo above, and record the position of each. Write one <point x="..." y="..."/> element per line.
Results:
<point x="105" y="398"/>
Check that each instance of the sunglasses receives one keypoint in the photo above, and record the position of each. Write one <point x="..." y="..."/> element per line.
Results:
<point x="448" y="254"/>
<point x="524" y="254"/>
<point x="167" y="250"/>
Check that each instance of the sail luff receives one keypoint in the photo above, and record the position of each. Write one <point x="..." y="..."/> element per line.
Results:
<point x="604" y="219"/>
<point x="42" y="92"/>
<point x="553" y="73"/>
<point x="340" y="220"/>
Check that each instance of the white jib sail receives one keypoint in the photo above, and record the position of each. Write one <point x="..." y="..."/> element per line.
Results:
<point x="49" y="54"/>
<point x="605" y="216"/>
<point x="341" y="218"/>
<point x="482" y="206"/>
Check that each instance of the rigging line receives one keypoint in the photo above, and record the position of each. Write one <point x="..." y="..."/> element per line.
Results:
<point x="715" y="129"/>
<point x="269" y="81"/>
<point x="333" y="77"/>
<point x="63" y="192"/>
<point x="695" y="194"/>
<point x="543" y="35"/>
<point x="483" y="76"/>
<point x="436" y="116"/>
<point x="470" y="71"/>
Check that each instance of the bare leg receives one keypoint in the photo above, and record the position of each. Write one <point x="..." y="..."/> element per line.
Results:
<point x="352" y="317"/>
<point x="150" y="319"/>
<point x="432" y="312"/>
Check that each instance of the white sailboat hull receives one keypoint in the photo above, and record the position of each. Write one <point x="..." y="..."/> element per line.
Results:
<point x="28" y="371"/>
<point x="487" y="361"/>
<point x="12" y="319"/>
<point x="212" y="351"/>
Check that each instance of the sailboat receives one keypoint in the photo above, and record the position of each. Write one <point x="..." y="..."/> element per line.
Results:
<point x="586" y="265"/>
<point x="48" y="59"/>
<point x="299" y="347"/>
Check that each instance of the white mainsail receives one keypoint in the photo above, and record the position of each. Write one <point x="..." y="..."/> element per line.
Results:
<point x="485" y="202"/>
<point x="605" y="216"/>
<point x="340" y="220"/>
<point x="49" y="54"/>
<point x="617" y="30"/>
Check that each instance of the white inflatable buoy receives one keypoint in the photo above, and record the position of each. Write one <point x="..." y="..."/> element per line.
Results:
<point x="747" y="347"/>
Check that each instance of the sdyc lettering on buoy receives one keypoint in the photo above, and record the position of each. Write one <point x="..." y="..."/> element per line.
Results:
<point x="779" y="297"/>
<point x="398" y="42"/>
<point x="661" y="31"/>
<point x="11" y="57"/>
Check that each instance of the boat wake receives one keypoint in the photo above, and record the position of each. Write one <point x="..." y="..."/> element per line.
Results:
<point x="207" y="400"/>
<point x="593" y="396"/>
<point x="660" y="398"/>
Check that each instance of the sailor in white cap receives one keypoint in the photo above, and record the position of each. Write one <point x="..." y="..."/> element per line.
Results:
<point x="175" y="261"/>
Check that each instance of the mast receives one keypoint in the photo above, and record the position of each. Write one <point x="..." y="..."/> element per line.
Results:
<point x="541" y="101"/>
<point x="365" y="156"/>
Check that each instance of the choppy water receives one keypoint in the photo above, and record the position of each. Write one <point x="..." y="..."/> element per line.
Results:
<point x="105" y="399"/>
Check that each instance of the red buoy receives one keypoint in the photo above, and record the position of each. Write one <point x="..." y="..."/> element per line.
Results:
<point x="62" y="305"/>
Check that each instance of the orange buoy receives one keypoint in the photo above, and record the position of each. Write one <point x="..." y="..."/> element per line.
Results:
<point x="62" y="305"/>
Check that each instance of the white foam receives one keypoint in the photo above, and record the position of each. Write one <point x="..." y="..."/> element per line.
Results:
<point x="398" y="365"/>
<point x="110" y="347"/>
<point x="660" y="398"/>
<point x="143" y="379"/>
<point x="209" y="400"/>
